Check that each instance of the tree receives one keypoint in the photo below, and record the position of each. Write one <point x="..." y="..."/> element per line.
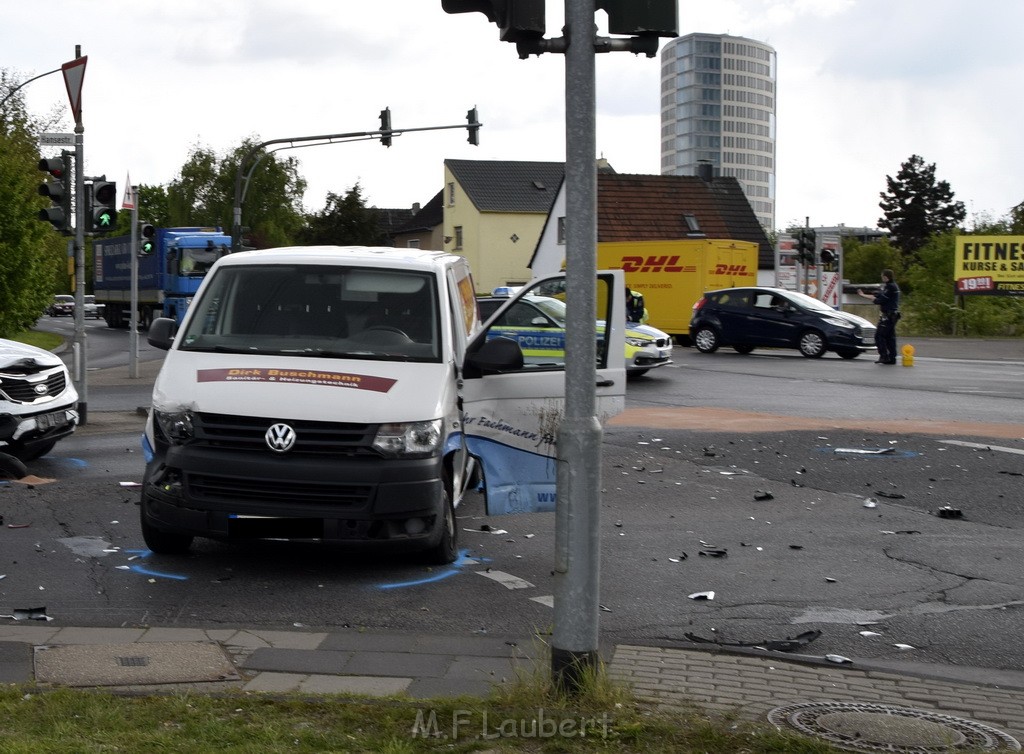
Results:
<point x="344" y="220"/>
<point x="32" y="253"/>
<point x="917" y="207"/>
<point x="1016" y="219"/>
<point x="203" y="194"/>
<point x="864" y="262"/>
<point x="934" y="309"/>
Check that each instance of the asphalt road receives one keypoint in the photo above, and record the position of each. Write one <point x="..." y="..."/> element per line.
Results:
<point x="802" y="551"/>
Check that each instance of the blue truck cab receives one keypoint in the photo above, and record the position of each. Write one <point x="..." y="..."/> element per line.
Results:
<point x="168" y="277"/>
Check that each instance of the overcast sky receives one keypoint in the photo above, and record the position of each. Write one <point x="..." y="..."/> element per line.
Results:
<point x="862" y="85"/>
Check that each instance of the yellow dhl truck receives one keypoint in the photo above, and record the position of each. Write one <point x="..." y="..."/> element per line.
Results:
<point x="672" y="275"/>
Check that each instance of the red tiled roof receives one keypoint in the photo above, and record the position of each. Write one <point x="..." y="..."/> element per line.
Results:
<point x="653" y="207"/>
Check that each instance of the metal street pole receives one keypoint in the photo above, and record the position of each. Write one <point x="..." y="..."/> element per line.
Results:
<point x="79" y="346"/>
<point x="575" y="640"/>
<point x="133" y="320"/>
<point x="74" y="73"/>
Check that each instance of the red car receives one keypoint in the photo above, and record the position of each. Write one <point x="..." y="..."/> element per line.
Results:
<point x="62" y="306"/>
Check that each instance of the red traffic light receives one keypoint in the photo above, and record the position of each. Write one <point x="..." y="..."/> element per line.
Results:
<point x="53" y="165"/>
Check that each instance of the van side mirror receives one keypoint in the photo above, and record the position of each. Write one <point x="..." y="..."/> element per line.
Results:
<point x="161" y="333"/>
<point x="493" y="356"/>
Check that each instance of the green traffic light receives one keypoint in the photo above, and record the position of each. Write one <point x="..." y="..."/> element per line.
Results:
<point x="104" y="220"/>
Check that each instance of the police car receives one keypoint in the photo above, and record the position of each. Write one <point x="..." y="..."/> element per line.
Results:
<point x="537" y="323"/>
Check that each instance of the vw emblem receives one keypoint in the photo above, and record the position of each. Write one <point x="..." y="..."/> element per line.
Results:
<point x="280" y="438"/>
<point x="41" y="389"/>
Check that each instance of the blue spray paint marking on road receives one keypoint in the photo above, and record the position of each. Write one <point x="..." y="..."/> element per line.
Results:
<point x="146" y="572"/>
<point x="461" y="561"/>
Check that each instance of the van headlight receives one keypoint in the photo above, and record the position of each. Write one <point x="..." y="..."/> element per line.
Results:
<point x="176" y="426"/>
<point x="409" y="439"/>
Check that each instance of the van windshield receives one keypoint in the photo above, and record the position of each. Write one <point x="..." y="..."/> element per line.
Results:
<point x="317" y="311"/>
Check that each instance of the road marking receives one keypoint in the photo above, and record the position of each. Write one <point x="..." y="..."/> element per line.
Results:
<point x="983" y="446"/>
<point x="507" y="580"/>
<point x="548" y="600"/>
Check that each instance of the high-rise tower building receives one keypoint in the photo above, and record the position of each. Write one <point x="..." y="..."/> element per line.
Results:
<point x="718" y="113"/>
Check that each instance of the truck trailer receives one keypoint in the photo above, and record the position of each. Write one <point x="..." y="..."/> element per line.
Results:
<point x="168" y="277"/>
<point x="671" y="275"/>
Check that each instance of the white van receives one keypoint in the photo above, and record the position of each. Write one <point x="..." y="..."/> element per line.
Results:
<point x="340" y="394"/>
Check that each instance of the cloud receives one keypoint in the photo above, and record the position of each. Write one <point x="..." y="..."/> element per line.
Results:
<point x="862" y="85"/>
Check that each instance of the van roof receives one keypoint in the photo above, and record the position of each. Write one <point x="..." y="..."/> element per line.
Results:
<point x="376" y="256"/>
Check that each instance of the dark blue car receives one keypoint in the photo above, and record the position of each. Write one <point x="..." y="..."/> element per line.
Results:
<point x="749" y="318"/>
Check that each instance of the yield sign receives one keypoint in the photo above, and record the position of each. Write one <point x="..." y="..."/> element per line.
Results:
<point x="74" y="73"/>
<point x="128" y="199"/>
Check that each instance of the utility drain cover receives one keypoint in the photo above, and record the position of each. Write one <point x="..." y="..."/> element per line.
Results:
<point x="882" y="727"/>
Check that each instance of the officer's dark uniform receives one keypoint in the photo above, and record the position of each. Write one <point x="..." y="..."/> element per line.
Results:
<point x="888" y="298"/>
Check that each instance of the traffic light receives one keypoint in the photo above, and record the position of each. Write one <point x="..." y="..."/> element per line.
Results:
<point x="58" y="190"/>
<point x="146" y="233"/>
<point x="805" y="245"/>
<point x="102" y="214"/>
<point x="657" y="18"/>
<point x="385" y="126"/>
<point x="473" y="126"/>
<point x="518" y="20"/>
<point x="827" y="256"/>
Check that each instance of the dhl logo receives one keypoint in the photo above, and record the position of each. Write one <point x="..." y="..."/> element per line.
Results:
<point x="671" y="264"/>
<point x="730" y="269"/>
<point x="654" y="264"/>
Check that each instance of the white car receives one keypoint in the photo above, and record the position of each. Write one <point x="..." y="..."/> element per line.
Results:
<point x="37" y="401"/>
<point x="92" y="309"/>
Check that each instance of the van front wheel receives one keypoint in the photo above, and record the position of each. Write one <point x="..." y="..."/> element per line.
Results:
<point x="446" y="550"/>
<point x="164" y="542"/>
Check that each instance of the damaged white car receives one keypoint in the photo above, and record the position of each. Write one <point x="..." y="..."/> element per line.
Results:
<point x="37" y="401"/>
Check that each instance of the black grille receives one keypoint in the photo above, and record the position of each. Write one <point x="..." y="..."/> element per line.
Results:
<point x="256" y="491"/>
<point x="20" y="387"/>
<point x="312" y="437"/>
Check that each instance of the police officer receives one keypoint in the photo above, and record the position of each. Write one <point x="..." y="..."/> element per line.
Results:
<point x="635" y="310"/>
<point x="888" y="300"/>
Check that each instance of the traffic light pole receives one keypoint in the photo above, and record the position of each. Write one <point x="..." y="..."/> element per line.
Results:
<point x="78" y="345"/>
<point x="133" y="320"/>
<point x="241" y="187"/>
<point x="575" y="640"/>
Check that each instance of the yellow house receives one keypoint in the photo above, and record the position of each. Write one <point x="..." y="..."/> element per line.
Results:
<point x="494" y="212"/>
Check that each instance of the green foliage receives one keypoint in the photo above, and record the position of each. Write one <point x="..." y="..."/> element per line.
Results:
<point x="864" y="262"/>
<point x="934" y="309"/>
<point x="917" y="207"/>
<point x="344" y="220"/>
<point x="32" y="253"/>
<point x="203" y="194"/>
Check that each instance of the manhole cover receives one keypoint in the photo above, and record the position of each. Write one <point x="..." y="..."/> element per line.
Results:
<point x="881" y="727"/>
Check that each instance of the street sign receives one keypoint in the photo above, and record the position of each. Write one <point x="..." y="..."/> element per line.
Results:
<point x="74" y="73"/>
<point x="57" y="140"/>
<point x="128" y="200"/>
